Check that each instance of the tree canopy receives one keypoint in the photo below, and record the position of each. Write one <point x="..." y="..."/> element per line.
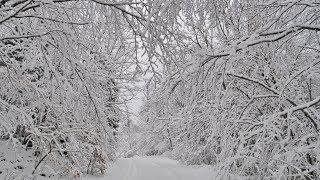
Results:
<point x="230" y="83"/>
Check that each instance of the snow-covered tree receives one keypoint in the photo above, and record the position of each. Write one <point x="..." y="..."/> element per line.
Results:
<point x="243" y="92"/>
<point x="234" y="83"/>
<point x="65" y="70"/>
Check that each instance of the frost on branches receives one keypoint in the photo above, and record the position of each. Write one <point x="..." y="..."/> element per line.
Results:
<point x="60" y="82"/>
<point x="230" y="83"/>
<point x="244" y="93"/>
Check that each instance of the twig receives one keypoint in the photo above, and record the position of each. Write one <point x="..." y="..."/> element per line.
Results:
<point x="42" y="159"/>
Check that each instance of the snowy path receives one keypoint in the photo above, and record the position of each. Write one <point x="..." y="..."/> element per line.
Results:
<point x="155" y="168"/>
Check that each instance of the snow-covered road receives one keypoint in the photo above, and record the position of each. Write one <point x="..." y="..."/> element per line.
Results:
<point x="155" y="168"/>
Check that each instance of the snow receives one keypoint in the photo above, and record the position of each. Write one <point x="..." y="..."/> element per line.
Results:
<point x="17" y="163"/>
<point x="240" y="93"/>
<point x="155" y="168"/>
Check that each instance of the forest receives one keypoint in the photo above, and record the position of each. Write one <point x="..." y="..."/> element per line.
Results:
<point x="232" y="85"/>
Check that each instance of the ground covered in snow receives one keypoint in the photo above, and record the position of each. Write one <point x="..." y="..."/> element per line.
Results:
<point x="17" y="164"/>
<point x="156" y="168"/>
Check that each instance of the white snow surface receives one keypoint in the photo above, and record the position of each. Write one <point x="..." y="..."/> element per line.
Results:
<point x="17" y="164"/>
<point x="155" y="168"/>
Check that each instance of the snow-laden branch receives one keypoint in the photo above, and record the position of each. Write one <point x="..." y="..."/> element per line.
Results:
<point x="254" y="81"/>
<point x="255" y="98"/>
<point x="297" y="74"/>
<point x="17" y="109"/>
<point x="32" y="35"/>
<point x="16" y="11"/>
<point x="292" y="102"/>
<point x="103" y="2"/>
<point x="263" y="37"/>
<point x="117" y="6"/>
<point x="299" y="107"/>
<point x="50" y="19"/>
<point x="281" y="4"/>
<point x="24" y="36"/>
